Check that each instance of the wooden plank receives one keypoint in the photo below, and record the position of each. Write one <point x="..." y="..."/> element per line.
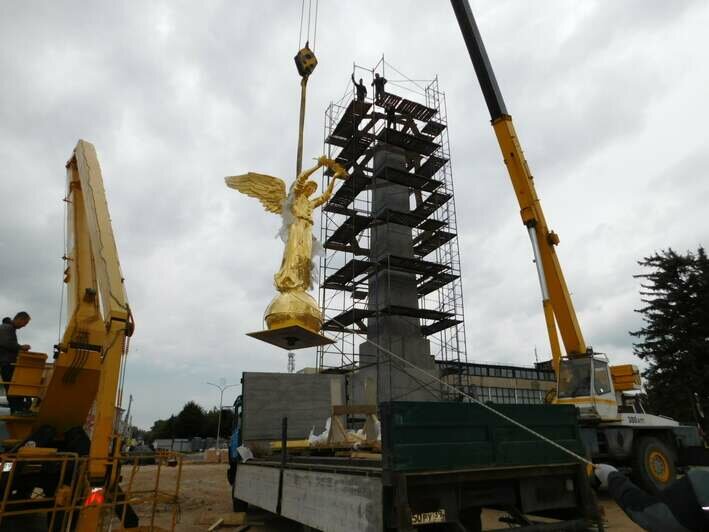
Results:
<point x="216" y="525"/>
<point x="343" y="410"/>
<point x="234" y="518"/>
<point x="291" y="445"/>
<point x="367" y="456"/>
<point x="231" y="519"/>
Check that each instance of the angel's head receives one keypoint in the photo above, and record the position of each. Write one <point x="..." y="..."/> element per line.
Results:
<point x="310" y="188"/>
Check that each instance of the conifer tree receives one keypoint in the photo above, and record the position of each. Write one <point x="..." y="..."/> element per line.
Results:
<point x="674" y="339"/>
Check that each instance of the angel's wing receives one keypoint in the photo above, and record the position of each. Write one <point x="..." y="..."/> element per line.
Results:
<point x="269" y="190"/>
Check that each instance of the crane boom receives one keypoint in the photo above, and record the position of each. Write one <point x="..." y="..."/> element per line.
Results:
<point x="558" y="307"/>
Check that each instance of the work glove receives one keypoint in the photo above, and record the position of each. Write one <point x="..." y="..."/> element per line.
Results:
<point x="602" y="471"/>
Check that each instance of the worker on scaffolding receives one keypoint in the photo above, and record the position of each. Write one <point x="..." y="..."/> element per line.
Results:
<point x="391" y="118"/>
<point x="360" y="88"/>
<point x="379" y="82"/>
<point x="9" y="349"/>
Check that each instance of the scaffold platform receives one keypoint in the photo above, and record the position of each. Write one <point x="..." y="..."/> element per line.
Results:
<point x="344" y="236"/>
<point x="432" y="165"/>
<point x="347" y="126"/>
<point x="407" y="179"/>
<point x="350" y="189"/>
<point x="345" y="277"/>
<point x="355" y="231"/>
<point x="410" y="265"/>
<point x="433" y="129"/>
<point x="427" y="243"/>
<point x="419" y="144"/>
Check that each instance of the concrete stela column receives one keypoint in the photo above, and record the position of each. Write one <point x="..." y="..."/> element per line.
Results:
<point x="400" y="334"/>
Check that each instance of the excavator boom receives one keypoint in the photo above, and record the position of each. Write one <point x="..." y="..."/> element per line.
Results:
<point x="78" y="395"/>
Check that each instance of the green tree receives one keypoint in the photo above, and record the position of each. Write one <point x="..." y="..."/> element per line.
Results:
<point x="190" y="422"/>
<point x="674" y="339"/>
<point x="162" y="428"/>
<point x="212" y="421"/>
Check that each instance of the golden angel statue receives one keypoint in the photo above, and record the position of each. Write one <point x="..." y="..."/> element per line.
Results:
<point x="293" y="306"/>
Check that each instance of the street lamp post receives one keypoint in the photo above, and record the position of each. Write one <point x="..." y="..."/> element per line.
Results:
<point x="222" y="386"/>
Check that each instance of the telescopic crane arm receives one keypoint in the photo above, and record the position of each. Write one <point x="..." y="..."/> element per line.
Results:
<point x="558" y="308"/>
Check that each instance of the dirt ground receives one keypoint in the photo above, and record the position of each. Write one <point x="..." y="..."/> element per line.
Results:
<point x="205" y="496"/>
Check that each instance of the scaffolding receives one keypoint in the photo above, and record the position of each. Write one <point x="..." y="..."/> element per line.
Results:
<point x="410" y="116"/>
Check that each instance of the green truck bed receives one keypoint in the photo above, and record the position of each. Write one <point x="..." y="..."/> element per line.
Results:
<point x="420" y="436"/>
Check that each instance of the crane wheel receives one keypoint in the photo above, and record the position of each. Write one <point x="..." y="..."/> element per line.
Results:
<point x="654" y="464"/>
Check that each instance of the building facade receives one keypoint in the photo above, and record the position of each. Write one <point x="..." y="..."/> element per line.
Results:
<point x="505" y="384"/>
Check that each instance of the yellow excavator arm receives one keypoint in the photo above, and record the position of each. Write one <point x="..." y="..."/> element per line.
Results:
<point x="99" y="315"/>
<point x="78" y="396"/>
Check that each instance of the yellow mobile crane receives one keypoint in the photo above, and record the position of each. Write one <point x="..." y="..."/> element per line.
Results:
<point x="618" y="430"/>
<point x="69" y="448"/>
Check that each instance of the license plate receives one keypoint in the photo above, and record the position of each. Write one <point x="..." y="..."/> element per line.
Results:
<point x="426" y="518"/>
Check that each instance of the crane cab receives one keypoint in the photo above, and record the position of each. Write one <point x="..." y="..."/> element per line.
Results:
<point x="586" y="382"/>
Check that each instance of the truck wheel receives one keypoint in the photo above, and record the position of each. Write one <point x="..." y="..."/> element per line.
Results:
<point x="654" y="464"/>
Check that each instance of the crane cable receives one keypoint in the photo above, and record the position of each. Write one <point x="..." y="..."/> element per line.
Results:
<point x="300" y="33"/>
<point x="471" y="398"/>
<point x="315" y="26"/>
<point x="311" y="19"/>
<point x="310" y="10"/>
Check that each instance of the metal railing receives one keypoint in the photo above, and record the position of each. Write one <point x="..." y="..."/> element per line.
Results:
<point x="56" y="485"/>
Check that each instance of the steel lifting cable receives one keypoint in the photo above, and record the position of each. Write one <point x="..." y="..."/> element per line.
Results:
<point x="473" y="399"/>
<point x="310" y="9"/>
<point x="315" y="26"/>
<point x="300" y="33"/>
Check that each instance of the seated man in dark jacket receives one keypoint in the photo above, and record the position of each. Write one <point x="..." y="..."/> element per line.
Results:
<point x="680" y="507"/>
<point x="9" y="349"/>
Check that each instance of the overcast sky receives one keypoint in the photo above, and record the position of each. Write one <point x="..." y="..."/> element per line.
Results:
<point x="609" y="99"/>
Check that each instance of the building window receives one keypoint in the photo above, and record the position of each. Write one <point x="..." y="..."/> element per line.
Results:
<point x="529" y="397"/>
<point x="479" y="371"/>
<point x="502" y="395"/>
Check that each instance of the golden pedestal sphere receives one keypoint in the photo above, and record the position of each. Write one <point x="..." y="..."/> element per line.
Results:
<point x="294" y="308"/>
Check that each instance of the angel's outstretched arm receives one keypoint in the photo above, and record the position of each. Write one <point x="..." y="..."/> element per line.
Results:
<point x="305" y="174"/>
<point x="325" y="195"/>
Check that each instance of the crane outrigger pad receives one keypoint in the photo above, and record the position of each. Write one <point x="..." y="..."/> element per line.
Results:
<point x="291" y="337"/>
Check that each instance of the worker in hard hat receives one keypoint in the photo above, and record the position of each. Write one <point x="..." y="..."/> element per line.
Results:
<point x="681" y="507"/>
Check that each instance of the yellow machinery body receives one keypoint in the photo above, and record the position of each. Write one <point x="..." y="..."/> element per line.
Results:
<point x="81" y="388"/>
